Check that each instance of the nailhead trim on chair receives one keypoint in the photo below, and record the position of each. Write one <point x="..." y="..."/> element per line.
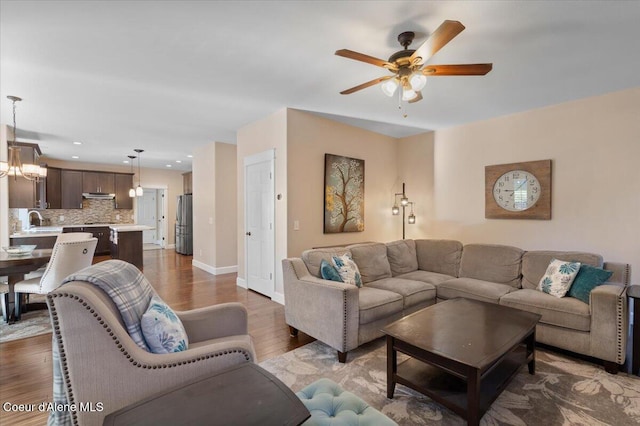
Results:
<point x="344" y="328"/>
<point x="620" y="326"/>
<point x="63" y="358"/>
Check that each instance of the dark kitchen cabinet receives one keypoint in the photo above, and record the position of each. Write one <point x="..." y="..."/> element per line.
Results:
<point x="22" y="192"/>
<point x="53" y="188"/>
<point x="102" y="233"/>
<point x="98" y="182"/>
<point x="127" y="246"/>
<point x="124" y="182"/>
<point x="71" y="193"/>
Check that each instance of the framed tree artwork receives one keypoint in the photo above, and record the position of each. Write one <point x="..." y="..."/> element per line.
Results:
<point x="343" y="194"/>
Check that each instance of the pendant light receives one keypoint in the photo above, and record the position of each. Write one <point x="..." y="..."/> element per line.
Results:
<point x="14" y="166"/>
<point x="132" y="191"/>
<point x="139" y="191"/>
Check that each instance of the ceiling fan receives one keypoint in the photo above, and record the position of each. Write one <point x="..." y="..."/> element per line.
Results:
<point x="408" y="66"/>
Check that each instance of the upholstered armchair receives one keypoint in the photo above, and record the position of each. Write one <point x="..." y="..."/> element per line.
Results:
<point x="101" y="362"/>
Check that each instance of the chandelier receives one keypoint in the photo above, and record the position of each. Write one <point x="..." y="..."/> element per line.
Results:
<point x="139" y="191"/>
<point x="14" y="166"/>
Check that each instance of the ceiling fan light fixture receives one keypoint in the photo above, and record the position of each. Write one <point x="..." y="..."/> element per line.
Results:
<point x="408" y="94"/>
<point x="417" y="81"/>
<point x="389" y="87"/>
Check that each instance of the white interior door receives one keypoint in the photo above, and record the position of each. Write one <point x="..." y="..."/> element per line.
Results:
<point x="259" y="227"/>
<point x="147" y="215"/>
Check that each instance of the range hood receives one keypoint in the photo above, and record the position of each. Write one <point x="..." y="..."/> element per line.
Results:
<point x="98" y="195"/>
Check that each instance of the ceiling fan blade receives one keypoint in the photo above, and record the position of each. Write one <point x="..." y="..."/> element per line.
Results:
<point x="365" y="85"/>
<point x="440" y="37"/>
<point x="350" y="54"/>
<point x="462" y="69"/>
<point x="417" y="98"/>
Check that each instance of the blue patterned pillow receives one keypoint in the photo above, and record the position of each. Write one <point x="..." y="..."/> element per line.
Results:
<point x="162" y="329"/>
<point x="588" y="278"/>
<point x="328" y="272"/>
<point x="347" y="269"/>
<point x="558" y="277"/>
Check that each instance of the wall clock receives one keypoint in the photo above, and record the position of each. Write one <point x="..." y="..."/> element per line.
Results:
<point x="518" y="190"/>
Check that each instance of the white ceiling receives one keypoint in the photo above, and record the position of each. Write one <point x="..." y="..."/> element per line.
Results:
<point x="169" y="76"/>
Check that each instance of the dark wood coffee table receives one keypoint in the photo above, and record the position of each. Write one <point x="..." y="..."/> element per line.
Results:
<point x="463" y="353"/>
<point x="244" y="394"/>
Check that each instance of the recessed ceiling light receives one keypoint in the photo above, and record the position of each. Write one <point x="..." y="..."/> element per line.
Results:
<point x="190" y="156"/>
<point x="168" y="165"/>
<point x="75" y="157"/>
<point x="178" y="161"/>
<point x="77" y="143"/>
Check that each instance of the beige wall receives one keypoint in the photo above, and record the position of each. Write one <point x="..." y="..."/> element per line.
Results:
<point x="309" y="138"/>
<point x="415" y="169"/>
<point x="214" y="208"/>
<point x="268" y="133"/>
<point x="151" y="178"/>
<point x="594" y="145"/>
<point x="204" y="202"/>
<point x="226" y="205"/>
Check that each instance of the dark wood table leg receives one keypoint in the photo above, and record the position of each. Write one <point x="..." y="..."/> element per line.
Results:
<point x="635" y="354"/>
<point x="473" y="397"/>
<point x="392" y="366"/>
<point x="531" y="351"/>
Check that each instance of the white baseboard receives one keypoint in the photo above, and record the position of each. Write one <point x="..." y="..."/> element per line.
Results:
<point x="278" y="297"/>
<point x="241" y="282"/>
<point x="213" y="270"/>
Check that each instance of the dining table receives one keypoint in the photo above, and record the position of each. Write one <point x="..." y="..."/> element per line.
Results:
<point x="15" y="267"/>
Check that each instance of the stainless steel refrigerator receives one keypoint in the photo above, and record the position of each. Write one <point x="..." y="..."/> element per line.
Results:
<point x="184" y="225"/>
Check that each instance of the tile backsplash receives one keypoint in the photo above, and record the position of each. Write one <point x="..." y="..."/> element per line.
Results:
<point x="97" y="211"/>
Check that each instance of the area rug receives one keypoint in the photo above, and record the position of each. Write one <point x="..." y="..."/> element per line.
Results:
<point x="564" y="391"/>
<point x="31" y="324"/>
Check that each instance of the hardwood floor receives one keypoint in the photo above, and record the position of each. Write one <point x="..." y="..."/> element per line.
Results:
<point x="25" y="365"/>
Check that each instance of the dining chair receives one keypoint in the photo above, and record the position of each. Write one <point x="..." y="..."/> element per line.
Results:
<point x="67" y="257"/>
<point x="67" y="236"/>
<point x="4" y="293"/>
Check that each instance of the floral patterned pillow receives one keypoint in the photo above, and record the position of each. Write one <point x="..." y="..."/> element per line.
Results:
<point x="559" y="277"/>
<point x="347" y="269"/>
<point x="162" y="329"/>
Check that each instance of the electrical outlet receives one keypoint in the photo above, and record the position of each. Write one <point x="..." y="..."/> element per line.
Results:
<point x="117" y="217"/>
<point x="61" y="218"/>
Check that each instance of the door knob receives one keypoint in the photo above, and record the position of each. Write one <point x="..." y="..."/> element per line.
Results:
<point x="248" y="233"/>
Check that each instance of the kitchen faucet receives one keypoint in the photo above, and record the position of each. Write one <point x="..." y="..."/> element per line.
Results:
<point x="39" y="218"/>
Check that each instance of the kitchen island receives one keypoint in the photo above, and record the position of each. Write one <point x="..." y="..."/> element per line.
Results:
<point x="122" y="241"/>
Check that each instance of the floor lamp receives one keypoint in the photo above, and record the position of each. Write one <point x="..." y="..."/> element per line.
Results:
<point x="404" y="202"/>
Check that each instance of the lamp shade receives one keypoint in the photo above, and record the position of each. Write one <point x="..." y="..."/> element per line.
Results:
<point x="408" y="94"/>
<point x="395" y="210"/>
<point x="139" y="191"/>
<point x="404" y="201"/>
<point x="411" y="219"/>
<point x="389" y="87"/>
<point x="417" y="81"/>
<point x="132" y="193"/>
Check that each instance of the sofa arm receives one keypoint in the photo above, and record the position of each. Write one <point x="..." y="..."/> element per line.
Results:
<point x="326" y="310"/>
<point x="213" y="322"/>
<point x="609" y="322"/>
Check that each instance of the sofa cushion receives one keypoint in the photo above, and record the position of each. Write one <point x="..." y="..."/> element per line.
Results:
<point x="563" y="312"/>
<point x="426" y="276"/>
<point x="471" y="288"/>
<point x="558" y="277"/>
<point x="441" y="256"/>
<point x="587" y="279"/>
<point x="492" y="262"/>
<point x="402" y="256"/>
<point x="412" y="292"/>
<point x="313" y="257"/>
<point x="372" y="261"/>
<point x="534" y="263"/>
<point x="376" y="304"/>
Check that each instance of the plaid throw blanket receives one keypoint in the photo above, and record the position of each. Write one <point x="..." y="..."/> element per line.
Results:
<point x="130" y="292"/>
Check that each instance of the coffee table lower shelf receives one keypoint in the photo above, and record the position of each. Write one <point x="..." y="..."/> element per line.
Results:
<point x="451" y="391"/>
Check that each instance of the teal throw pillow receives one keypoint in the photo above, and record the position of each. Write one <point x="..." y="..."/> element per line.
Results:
<point x="162" y="329"/>
<point x="328" y="272"/>
<point x="588" y="278"/>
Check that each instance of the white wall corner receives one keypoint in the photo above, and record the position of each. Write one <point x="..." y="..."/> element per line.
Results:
<point x="240" y="282"/>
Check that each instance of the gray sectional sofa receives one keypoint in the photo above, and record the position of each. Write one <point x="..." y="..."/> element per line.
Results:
<point x="404" y="276"/>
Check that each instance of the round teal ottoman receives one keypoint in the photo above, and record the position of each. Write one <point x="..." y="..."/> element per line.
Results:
<point x="330" y="405"/>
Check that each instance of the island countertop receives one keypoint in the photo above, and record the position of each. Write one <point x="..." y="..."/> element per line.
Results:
<point x="54" y="231"/>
